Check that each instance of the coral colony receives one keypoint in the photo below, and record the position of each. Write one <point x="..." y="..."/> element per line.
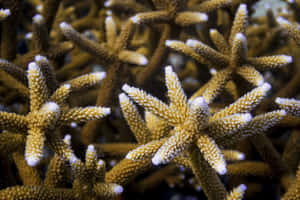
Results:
<point x="149" y="99"/>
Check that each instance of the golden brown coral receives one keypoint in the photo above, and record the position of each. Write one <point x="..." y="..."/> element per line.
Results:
<point x="192" y="123"/>
<point x="45" y="114"/>
<point x="232" y="53"/>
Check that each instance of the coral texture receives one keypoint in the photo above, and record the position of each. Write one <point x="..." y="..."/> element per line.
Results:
<point x="149" y="99"/>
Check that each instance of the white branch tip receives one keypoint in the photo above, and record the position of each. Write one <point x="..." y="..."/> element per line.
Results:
<point x="221" y="169"/>
<point x="156" y="160"/>
<point x="106" y="111"/>
<point x="73" y="124"/>
<point x="118" y="189"/>
<point x="283" y="21"/>
<point x="280" y="100"/>
<point x="91" y="148"/>
<point x="65" y="26"/>
<point x="126" y="88"/>
<point x="213" y="31"/>
<point x="107" y="3"/>
<point x="169" y="43"/>
<point x="142" y="60"/>
<point x="31" y="160"/>
<point x="32" y="66"/>
<point x="243" y="187"/>
<point x="67" y="86"/>
<point x="243" y="7"/>
<point x="51" y="106"/>
<point x="67" y="139"/>
<point x="109" y="12"/>
<point x="241" y="37"/>
<point x="260" y="82"/>
<point x="285" y="101"/>
<point x="213" y="71"/>
<point x="192" y="43"/>
<point x="287" y="59"/>
<point x="202" y="16"/>
<point x="39" y="58"/>
<point x="282" y="112"/>
<point x="101" y="162"/>
<point x="123" y="98"/>
<point x="39" y="8"/>
<point x="5" y="12"/>
<point x="129" y="156"/>
<point x="73" y="159"/>
<point x="135" y="19"/>
<point x="168" y="69"/>
<point x="199" y="102"/>
<point x="28" y="35"/>
<point x="109" y="19"/>
<point x="266" y="87"/>
<point x="37" y="18"/>
<point x="241" y="156"/>
<point x="100" y="75"/>
<point x="246" y="117"/>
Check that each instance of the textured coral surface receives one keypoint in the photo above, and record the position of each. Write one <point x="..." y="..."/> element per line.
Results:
<point x="149" y="99"/>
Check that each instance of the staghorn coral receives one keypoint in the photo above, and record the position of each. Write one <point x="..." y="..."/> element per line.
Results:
<point x="224" y="123"/>
<point x="293" y="191"/>
<point x="291" y="29"/>
<point x="54" y="53"/>
<point x="232" y="53"/>
<point x="192" y="123"/>
<point x="45" y="109"/>
<point x="83" y="187"/>
<point x="237" y="193"/>
<point x="109" y="50"/>
<point x="114" y="53"/>
<point x="171" y="10"/>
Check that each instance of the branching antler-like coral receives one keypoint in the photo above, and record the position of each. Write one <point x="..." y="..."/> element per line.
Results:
<point x="89" y="177"/>
<point x="191" y="119"/>
<point x="232" y="53"/>
<point x="292" y="30"/>
<point x="292" y="106"/>
<point x="224" y="127"/>
<point x="114" y="52"/>
<point x="193" y="124"/>
<point x="170" y="11"/>
<point x="111" y="51"/>
<point x="88" y="180"/>
<point x="48" y="109"/>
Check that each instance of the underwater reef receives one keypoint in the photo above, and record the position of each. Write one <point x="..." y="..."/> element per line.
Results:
<point x="149" y="99"/>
